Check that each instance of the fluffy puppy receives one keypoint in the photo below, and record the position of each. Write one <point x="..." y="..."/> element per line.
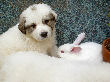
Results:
<point x="34" y="32"/>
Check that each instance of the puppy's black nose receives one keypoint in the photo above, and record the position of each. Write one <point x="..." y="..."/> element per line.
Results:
<point x="44" y="34"/>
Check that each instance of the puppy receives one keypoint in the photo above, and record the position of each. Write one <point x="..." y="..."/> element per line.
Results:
<point x="34" y="32"/>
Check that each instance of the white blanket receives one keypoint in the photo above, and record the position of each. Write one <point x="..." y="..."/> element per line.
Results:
<point x="36" y="67"/>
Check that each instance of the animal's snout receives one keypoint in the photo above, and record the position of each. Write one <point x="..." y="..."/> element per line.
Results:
<point x="44" y="34"/>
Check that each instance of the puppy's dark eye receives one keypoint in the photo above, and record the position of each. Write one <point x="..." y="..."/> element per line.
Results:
<point x="33" y="25"/>
<point x="46" y="21"/>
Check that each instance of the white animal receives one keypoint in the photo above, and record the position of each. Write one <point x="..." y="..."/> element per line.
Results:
<point x="80" y="37"/>
<point x="85" y="52"/>
<point x="36" y="67"/>
<point x="34" y="32"/>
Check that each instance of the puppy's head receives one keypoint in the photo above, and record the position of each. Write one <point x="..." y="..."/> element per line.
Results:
<point x="38" y="21"/>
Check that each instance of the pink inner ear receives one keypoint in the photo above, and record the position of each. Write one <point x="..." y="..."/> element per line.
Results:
<point x="76" y="49"/>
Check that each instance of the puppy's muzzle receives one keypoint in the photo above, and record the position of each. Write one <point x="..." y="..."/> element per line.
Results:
<point x="44" y="34"/>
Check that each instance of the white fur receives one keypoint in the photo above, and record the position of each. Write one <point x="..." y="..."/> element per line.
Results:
<point x="14" y="40"/>
<point x="90" y="52"/>
<point x="36" y="67"/>
<point x="39" y="29"/>
<point x="79" y="39"/>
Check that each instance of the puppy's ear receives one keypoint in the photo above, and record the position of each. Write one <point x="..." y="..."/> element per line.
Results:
<point x="55" y="15"/>
<point x="21" y="25"/>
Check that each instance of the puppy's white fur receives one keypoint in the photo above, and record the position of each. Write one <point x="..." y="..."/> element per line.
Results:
<point x="90" y="52"/>
<point x="36" y="67"/>
<point x="26" y="35"/>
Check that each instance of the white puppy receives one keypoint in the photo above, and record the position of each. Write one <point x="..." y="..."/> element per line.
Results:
<point x="34" y="32"/>
<point x="36" y="67"/>
<point x="85" y="52"/>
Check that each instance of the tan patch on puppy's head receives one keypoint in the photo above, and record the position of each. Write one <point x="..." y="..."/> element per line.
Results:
<point x="21" y="25"/>
<point x="25" y="29"/>
<point x="30" y="28"/>
<point x="33" y="8"/>
<point x="50" y="20"/>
